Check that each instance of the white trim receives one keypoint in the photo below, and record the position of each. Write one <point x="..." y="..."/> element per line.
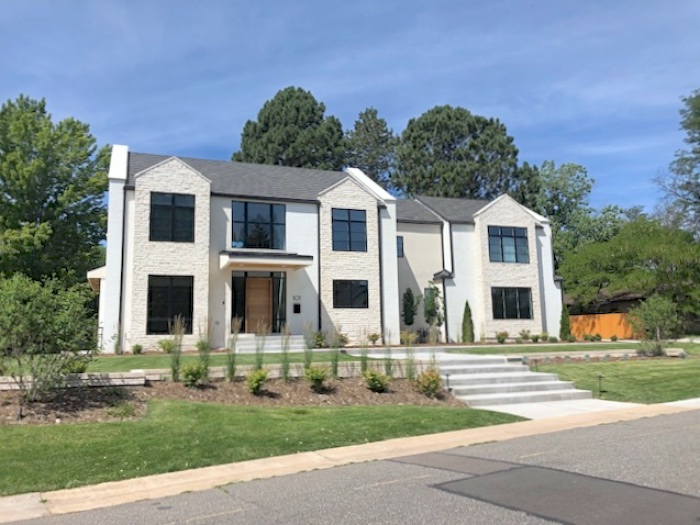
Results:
<point x="356" y="183"/>
<point x="119" y="162"/>
<point x="539" y="218"/>
<point x="143" y="172"/>
<point x="374" y="188"/>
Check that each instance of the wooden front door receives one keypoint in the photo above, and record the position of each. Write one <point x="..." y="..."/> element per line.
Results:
<point x="258" y="304"/>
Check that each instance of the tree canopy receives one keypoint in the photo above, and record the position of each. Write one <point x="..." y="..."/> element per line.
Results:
<point x="449" y="152"/>
<point x="645" y="257"/>
<point x="371" y="146"/>
<point x="292" y="130"/>
<point x="681" y="184"/>
<point x="52" y="185"/>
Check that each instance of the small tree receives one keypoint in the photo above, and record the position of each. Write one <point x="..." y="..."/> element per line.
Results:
<point x="655" y="320"/>
<point x="467" y="325"/>
<point x="432" y="307"/>
<point x="410" y="307"/>
<point x="564" y="324"/>
<point x="45" y="333"/>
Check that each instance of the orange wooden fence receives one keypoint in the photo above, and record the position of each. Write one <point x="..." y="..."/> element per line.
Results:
<point x="606" y="325"/>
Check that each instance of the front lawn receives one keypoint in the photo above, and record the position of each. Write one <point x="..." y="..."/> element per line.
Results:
<point x="639" y="381"/>
<point x="125" y="363"/>
<point x="178" y="435"/>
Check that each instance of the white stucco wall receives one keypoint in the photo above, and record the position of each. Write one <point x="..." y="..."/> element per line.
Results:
<point x="169" y="258"/>
<point x="507" y="212"/>
<point x="550" y="290"/>
<point x="422" y="258"/>
<point x="465" y="285"/>
<point x="341" y="265"/>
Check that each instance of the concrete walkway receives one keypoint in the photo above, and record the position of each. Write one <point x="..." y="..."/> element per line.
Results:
<point x="26" y="506"/>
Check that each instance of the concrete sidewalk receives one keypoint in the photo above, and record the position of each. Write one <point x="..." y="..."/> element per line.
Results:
<point x="26" y="506"/>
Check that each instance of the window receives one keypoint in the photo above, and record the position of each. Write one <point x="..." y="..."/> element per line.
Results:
<point x="511" y="303"/>
<point x="168" y="297"/>
<point x="399" y="245"/>
<point x="349" y="230"/>
<point x="350" y="294"/>
<point x="508" y="244"/>
<point x="172" y="217"/>
<point x="258" y="225"/>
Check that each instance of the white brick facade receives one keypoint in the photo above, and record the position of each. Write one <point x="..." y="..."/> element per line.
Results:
<point x="341" y="265"/>
<point x="168" y="258"/>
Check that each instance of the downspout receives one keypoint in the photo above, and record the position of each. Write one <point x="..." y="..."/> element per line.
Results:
<point x="318" y="251"/>
<point x="381" y="280"/>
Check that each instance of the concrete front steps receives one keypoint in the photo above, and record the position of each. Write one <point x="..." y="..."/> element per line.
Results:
<point x="483" y="381"/>
<point x="273" y="343"/>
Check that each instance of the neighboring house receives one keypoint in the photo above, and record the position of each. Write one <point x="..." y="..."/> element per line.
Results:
<point x="309" y="249"/>
<point x="497" y="255"/>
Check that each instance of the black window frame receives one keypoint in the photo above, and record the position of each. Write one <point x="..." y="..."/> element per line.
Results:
<point x="399" y="246"/>
<point x="346" y="292"/>
<point x="273" y="223"/>
<point x="504" y="238"/>
<point x="164" y="322"/>
<point x="172" y="213"/>
<point x="519" y="308"/>
<point x="347" y="221"/>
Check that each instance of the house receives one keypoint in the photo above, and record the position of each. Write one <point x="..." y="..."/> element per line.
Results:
<point x="496" y="255"/>
<point x="276" y="246"/>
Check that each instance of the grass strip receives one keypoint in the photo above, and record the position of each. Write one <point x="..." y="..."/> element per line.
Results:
<point x="178" y="435"/>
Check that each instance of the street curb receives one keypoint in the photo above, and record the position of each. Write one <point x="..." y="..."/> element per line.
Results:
<point x="34" y="505"/>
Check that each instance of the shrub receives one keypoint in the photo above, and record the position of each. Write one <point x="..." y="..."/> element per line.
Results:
<point x="261" y="332"/>
<point x="373" y="338"/>
<point x="194" y="374"/>
<point x="519" y="340"/>
<point x="432" y="306"/>
<point x="613" y="338"/>
<point x="429" y="383"/>
<point x="656" y="319"/>
<point x="285" y="361"/>
<point x="136" y="349"/>
<point x="255" y="380"/>
<point x="388" y="362"/>
<point x="467" y="324"/>
<point x="501" y="337"/>
<point x="410" y="364"/>
<point x="535" y="338"/>
<point x="75" y="366"/>
<point x="178" y="331"/>
<point x="597" y="337"/>
<point x="525" y="335"/>
<point x="587" y="337"/>
<point x="544" y="336"/>
<point x="319" y="339"/>
<point x="204" y="351"/>
<point x="410" y="307"/>
<point x="231" y="348"/>
<point x="408" y="338"/>
<point x="552" y="339"/>
<point x="564" y="324"/>
<point x="571" y="338"/>
<point x="316" y="375"/>
<point x="309" y="344"/>
<point x="376" y="381"/>
<point x="166" y="345"/>
<point x="122" y="410"/>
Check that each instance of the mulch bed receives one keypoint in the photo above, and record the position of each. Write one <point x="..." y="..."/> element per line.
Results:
<point x="119" y="403"/>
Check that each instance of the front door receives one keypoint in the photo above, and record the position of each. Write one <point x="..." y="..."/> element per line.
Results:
<point x="258" y="304"/>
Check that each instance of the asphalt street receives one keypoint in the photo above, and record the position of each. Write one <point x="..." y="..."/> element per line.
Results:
<point x="640" y="472"/>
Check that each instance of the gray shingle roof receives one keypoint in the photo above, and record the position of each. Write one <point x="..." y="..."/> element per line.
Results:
<point x="453" y="210"/>
<point x="412" y="211"/>
<point x="250" y="180"/>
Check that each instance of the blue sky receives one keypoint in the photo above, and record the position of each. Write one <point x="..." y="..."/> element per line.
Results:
<point x="592" y="82"/>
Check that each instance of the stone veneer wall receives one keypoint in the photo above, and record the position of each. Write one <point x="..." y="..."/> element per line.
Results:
<point x="507" y="212"/>
<point x="168" y="258"/>
<point x="349" y="265"/>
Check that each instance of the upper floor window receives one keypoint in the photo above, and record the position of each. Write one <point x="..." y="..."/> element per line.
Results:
<point x="508" y="244"/>
<point x="511" y="303"/>
<point x="258" y="225"/>
<point x="399" y="245"/>
<point x="349" y="230"/>
<point x="172" y="217"/>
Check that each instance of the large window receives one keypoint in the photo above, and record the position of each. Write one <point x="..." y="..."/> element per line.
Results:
<point x="172" y="217"/>
<point x="350" y="294"/>
<point x="511" y="303"/>
<point x="169" y="297"/>
<point x="508" y="244"/>
<point x="258" y="225"/>
<point x="349" y="230"/>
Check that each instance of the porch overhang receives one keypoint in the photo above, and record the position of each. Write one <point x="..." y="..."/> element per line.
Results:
<point x="263" y="259"/>
<point x="95" y="276"/>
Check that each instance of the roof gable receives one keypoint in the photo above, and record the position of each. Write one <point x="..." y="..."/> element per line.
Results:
<point x="453" y="210"/>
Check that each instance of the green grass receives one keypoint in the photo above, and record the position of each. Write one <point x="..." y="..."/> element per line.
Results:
<point x="178" y="435"/>
<point x="692" y="349"/>
<point x="639" y="381"/>
<point x="124" y="363"/>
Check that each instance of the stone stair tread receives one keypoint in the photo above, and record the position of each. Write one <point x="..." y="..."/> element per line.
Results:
<point x="525" y="397"/>
<point x="526" y="386"/>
